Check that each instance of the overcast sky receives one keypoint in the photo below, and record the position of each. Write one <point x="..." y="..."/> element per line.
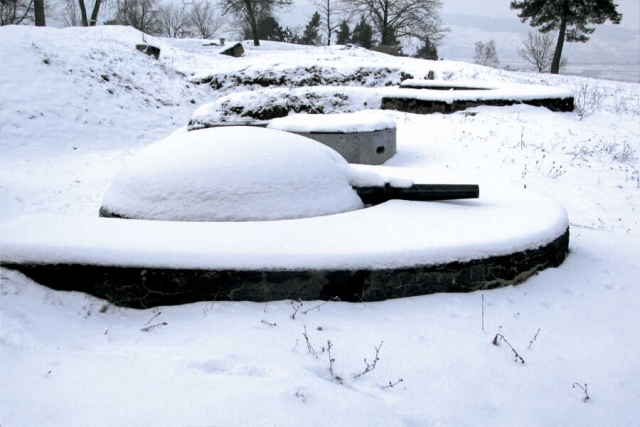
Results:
<point x="618" y="44"/>
<point x="630" y="9"/>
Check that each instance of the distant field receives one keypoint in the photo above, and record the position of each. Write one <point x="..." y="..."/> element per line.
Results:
<point x="612" y="52"/>
<point x="626" y="73"/>
<point x="606" y="71"/>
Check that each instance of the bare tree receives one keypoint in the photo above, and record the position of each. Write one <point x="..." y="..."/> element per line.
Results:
<point x="203" y="19"/>
<point x="94" y="13"/>
<point x="38" y="10"/>
<point x="331" y="12"/>
<point x="395" y="19"/>
<point x="14" y="12"/>
<point x="250" y="12"/>
<point x="486" y="54"/>
<point x="74" y="13"/>
<point x="538" y="49"/>
<point x="71" y="14"/>
<point x="83" y="13"/>
<point x="173" y="20"/>
<point x="140" y="14"/>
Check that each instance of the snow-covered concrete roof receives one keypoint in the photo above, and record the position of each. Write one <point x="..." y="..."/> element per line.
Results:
<point x="391" y="235"/>
<point x="479" y="91"/>
<point x="360" y="122"/>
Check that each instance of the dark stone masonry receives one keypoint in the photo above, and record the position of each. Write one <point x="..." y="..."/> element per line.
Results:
<point x="150" y="287"/>
<point x="422" y="106"/>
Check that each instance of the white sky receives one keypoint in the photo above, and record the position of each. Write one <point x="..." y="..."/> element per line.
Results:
<point x="630" y="9"/>
<point x="500" y="9"/>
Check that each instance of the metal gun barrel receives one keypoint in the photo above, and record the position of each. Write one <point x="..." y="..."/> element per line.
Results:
<point x="418" y="192"/>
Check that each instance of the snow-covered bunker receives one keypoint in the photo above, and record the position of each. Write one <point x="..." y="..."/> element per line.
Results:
<point x="253" y="223"/>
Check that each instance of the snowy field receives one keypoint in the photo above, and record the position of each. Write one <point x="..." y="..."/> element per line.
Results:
<point x="76" y="104"/>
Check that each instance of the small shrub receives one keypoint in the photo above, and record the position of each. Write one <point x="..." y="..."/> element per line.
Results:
<point x="626" y="155"/>
<point x="589" y="99"/>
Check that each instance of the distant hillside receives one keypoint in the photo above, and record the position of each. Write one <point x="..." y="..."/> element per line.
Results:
<point x="612" y="53"/>
<point x="609" y="47"/>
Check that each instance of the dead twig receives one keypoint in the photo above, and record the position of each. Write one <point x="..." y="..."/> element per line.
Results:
<point x="370" y="366"/>
<point x="586" y="393"/>
<point x="154" y="316"/>
<point x="482" y="312"/>
<point x="309" y="346"/>
<point x="496" y="342"/>
<point x="391" y="385"/>
<point x="534" y="339"/>
<point x="331" y="359"/>
<point x="157" y="325"/>
<point x="317" y="307"/>
<point x="296" y="305"/>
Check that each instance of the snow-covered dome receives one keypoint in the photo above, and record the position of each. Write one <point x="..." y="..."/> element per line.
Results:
<point x="233" y="174"/>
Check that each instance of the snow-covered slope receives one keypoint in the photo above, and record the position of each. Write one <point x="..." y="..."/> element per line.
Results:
<point x="76" y="104"/>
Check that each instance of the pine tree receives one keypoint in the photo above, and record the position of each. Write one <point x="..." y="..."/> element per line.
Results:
<point x="292" y="35"/>
<point x="569" y="17"/>
<point x="310" y="34"/>
<point x="427" y="51"/>
<point x="363" y="34"/>
<point x="343" y="35"/>
<point x="268" y="29"/>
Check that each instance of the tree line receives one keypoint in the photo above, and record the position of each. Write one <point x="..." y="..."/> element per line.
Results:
<point x="362" y="22"/>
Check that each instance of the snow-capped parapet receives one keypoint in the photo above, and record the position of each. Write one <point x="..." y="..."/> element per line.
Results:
<point x="448" y="84"/>
<point x="397" y="234"/>
<point x="450" y="91"/>
<point x="395" y="249"/>
<point x="286" y="73"/>
<point x="234" y="174"/>
<point x="427" y="96"/>
<point x="267" y="104"/>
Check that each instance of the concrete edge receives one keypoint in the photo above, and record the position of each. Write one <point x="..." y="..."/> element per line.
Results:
<point x="150" y="287"/>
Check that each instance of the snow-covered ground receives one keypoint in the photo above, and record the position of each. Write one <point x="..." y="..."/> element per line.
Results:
<point x="76" y="104"/>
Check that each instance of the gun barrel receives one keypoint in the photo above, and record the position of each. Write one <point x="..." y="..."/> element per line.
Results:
<point x="418" y="192"/>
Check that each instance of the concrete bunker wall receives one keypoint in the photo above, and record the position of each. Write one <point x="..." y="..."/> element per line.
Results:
<point x="369" y="148"/>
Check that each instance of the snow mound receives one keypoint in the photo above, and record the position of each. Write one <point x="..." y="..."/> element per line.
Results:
<point x="233" y="174"/>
